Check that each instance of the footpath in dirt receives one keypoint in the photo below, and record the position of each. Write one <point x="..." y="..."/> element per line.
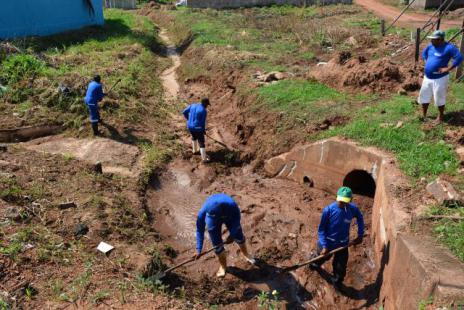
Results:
<point x="408" y="19"/>
<point x="279" y="219"/>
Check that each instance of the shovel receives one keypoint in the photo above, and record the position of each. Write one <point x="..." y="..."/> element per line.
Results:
<point x="111" y="88"/>
<point x="220" y="143"/>
<point x="315" y="259"/>
<point x="162" y="274"/>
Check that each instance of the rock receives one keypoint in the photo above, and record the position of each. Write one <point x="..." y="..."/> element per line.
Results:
<point x="352" y="41"/>
<point x="460" y="151"/>
<point x="97" y="168"/>
<point x="322" y="63"/>
<point x="13" y="214"/>
<point x="399" y="124"/>
<point x="402" y="92"/>
<point x="80" y="230"/>
<point x="3" y="148"/>
<point x="66" y="205"/>
<point x="442" y="191"/>
<point x="273" y="76"/>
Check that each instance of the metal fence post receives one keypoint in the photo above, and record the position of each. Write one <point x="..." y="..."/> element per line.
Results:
<point x="418" y="41"/>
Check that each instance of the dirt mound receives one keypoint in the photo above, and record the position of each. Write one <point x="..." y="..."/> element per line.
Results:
<point x="455" y="14"/>
<point x="377" y="76"/>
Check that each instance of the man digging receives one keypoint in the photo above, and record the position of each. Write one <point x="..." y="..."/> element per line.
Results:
<point x="93" y="96"/>
<point x="195" y="114"/>
<point x="217" y="210"/>
<point x="334" y="232"/>
<point x="437" y="56"/>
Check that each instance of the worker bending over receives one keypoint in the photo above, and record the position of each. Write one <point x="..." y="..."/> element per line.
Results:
<point x="195" y="114"/>
<point x="93" y="96"/>
<point x="334" y="232"/>
<point x="217" y="210"/>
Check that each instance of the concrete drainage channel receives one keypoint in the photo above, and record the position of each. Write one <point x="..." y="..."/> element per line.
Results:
<point x="412" y="267"/>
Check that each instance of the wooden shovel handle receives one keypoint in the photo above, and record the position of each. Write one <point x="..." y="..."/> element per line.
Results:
<point x="190" y="260"/>
<point x="315" y="259"/>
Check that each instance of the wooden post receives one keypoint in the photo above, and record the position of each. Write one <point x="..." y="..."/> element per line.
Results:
<point x="382" y="27"/>
<point x="418" y="41"/>
<point x="461" y="48"/>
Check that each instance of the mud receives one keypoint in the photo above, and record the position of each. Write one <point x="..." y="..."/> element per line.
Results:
<point x="280" y="220"/>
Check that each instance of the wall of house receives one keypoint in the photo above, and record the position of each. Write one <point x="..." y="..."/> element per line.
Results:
<point x="222" y="4"/>
<point x="121" y="4"/>
<point x="20" y="18"/>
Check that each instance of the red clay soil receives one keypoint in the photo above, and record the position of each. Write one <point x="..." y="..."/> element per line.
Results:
<point x="408" y="19"/>
<point x="280" y="220"/>
<point x="359" y="74"/>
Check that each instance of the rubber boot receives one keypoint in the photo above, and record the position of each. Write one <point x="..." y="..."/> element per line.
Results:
<point x="204" y="157"/>
<point x="195" y="147"/>
<point x="95" y="129"/>
<point x="246" y="255"/>
<point x="222" y="257"/>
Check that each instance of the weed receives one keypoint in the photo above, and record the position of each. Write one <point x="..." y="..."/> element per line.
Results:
<point x="67" y="157"/>
<point x="56" y="287"/>
<point x="20" y="66"/>
<point x="79" y="285"/>
<point x="153" y="157"/>
<point x="425" y="302"/>
<point x="4" y="304"/>
<point x="99" y="296"/>
<point x="268" y="300"/>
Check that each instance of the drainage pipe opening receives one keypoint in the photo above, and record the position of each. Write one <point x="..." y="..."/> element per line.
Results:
<point x="361" y="182"/>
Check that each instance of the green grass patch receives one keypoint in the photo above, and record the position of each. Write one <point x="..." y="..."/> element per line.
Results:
<point x="421" y="153"/>
<point x="450" y="232"/>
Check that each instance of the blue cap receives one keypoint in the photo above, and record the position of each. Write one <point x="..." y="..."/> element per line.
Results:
<point x="437" y="34"/>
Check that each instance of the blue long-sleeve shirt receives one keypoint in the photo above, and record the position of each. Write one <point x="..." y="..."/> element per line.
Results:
<point x="195" y="114"/>
<point x="334" y="229"/>
<point x="439" y="57"/>
<point x="217" y="209"/>
<point x="94" y="93"/>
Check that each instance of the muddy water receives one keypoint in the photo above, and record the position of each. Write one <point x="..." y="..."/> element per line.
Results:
<point x="168" y="77"/>
<point x="280" y="222"/>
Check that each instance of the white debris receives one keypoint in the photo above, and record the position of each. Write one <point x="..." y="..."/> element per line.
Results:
<point x="105" y="247"/>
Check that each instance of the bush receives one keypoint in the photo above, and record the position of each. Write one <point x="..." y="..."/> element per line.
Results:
<point x="17" y="67"/>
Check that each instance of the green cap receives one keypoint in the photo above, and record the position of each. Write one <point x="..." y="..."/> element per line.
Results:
<point x="344" y="194"/>
<point x="437" y="34"/>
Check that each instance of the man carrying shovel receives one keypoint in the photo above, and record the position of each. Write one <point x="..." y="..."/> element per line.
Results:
<point x="195" y="114"/>
<point x="334" y="232"/>
<point x="217" y="210"/>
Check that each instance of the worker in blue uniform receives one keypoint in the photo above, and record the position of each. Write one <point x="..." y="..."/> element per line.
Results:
<point x="437" y="56"/>
<point x="93" y="96"/>
<point x="219" y="209"/>
<point x="196" y="114"/>
<point x="334" y="232"/>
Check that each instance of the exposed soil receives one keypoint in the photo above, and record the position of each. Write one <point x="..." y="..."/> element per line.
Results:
<point x="281" y="230"/>
<point x="375" y="76"/>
